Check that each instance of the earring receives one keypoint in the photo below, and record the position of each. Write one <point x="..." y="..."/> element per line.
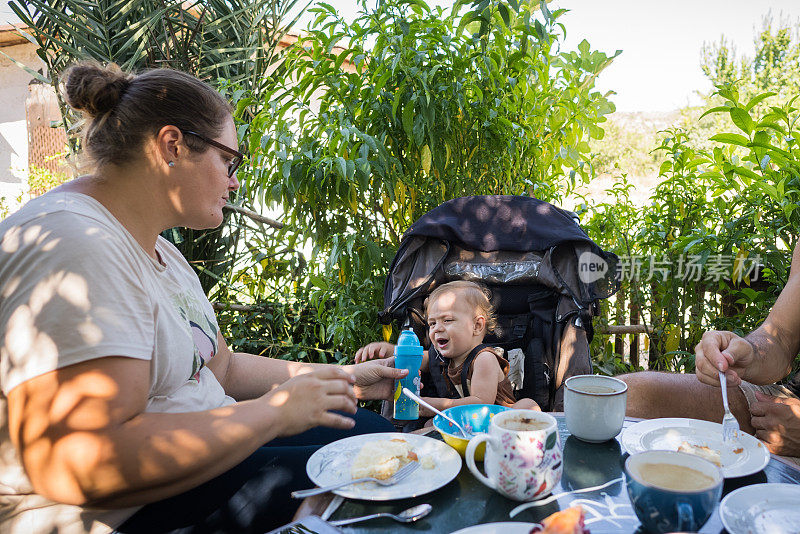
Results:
<point x="171" y="163"/>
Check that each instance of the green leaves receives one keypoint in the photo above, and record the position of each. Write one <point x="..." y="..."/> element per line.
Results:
<point x="232" y="44"/>
<point x="425" y="157"/>
<point x="476" y="100"/>
<point x="234" y="40"/>
<point x="342" y="167"/>
<point x="731" y="138"/>
<point x="729" y="189"/>
<point x="717" y="109"/>
<point x="733" y="196"/>
<point x="757" y="99"/>
<point x="408" y="120"/>
<point x="741" y="118"/>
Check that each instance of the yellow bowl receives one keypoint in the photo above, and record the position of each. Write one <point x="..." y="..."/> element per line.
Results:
<point x="460" y="444"/>
<point x="472" y="417"/>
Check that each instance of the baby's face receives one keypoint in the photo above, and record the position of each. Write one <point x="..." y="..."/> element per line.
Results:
<point x="452" y="325"/>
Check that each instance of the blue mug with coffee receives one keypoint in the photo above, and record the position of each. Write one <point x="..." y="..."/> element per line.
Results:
<point x="672" y="491"/>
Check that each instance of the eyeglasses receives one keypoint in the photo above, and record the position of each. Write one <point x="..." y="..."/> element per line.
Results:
<point x="237" y="156"/>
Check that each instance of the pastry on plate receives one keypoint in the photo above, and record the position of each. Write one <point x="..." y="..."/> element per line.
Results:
<point x="569" y="521"/>
<point x="702" y="451"/>
<point x="382" y="458"/>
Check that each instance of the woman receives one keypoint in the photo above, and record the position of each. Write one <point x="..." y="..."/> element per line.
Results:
<point x="118" y="389"/>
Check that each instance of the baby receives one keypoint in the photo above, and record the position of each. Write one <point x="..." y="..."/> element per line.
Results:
<point x="459" y="315"/>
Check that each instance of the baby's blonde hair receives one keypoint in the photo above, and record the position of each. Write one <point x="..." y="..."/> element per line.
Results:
<point x="476" y="295"/>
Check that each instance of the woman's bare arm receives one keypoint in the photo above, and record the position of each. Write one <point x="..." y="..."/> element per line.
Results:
<point x="247" y="376"/>
<point x="84" y="438"/>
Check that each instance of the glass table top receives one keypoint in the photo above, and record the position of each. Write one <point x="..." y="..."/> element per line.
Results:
<point x="465" y="502"/>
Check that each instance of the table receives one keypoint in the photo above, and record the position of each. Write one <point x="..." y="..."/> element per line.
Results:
<point x="465" y="501"/>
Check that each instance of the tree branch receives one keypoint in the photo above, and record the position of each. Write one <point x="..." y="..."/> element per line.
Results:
<point x="255" y="216"/>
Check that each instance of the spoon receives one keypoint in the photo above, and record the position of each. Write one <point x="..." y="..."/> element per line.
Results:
<point x="413" y="397"/>
<point x="406" y="516"/>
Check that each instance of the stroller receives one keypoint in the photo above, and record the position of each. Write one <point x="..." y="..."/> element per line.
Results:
<point x="544" y="273"/>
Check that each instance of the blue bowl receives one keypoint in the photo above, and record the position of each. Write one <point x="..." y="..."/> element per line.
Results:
<point x="472" y="417"/>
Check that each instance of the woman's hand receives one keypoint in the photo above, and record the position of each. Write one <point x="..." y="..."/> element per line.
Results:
<point x="306" y="401"/>
<point x="377" y="349"/>
<point x="375" y="380"/>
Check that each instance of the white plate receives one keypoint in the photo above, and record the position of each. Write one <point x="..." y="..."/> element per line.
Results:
<point x="509" y="527"/>
<point x="331" y="464"/>
<point x="751" y="455"/>
<point x="771" y="508"/>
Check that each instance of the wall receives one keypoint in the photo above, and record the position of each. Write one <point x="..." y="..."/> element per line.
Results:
<point x="13" y="130"/>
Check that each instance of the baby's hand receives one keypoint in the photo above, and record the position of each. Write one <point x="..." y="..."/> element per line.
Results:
<point x="526" y="404"/>
<point x="424" y="411"/>
<point x="377" y="349"/>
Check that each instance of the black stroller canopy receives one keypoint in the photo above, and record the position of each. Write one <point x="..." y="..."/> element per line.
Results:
<point x="517" y="239"/>
<point x="495" y="222"/>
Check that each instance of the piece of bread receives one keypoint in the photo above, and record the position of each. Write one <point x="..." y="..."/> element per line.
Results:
<point x="427" y="462"/>
<point x="381" y="459"/>
<point x="569" y="521"/>
<point x="702" y="451"/>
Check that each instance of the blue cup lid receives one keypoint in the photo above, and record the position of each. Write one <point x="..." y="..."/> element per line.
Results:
<point x="408" y="344"/>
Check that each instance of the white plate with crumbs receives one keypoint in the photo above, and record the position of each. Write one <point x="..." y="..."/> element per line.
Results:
<point x="508" y="527"/>
<point x="745" y="456"/>
<point x="439" y="464"/>
<point x="762" y="509"/>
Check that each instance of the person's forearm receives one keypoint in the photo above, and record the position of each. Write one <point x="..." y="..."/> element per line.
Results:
<point x="156" y="455"/>
<point x="772" y="357"/>
<point x="249" y="376"/>
<point x="777" y="341"/>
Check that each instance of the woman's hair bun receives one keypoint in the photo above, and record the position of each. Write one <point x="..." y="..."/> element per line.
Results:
<point x="124" y="111"/>
<point x="95" y="89"/>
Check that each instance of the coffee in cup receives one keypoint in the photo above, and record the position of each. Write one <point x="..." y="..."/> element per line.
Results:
<point x="674" y="477"/>
<point x="523" y="424"/>
<point x="594" y="407"/>
<point x="672" y="491"/>
<point x="523" y="459"/>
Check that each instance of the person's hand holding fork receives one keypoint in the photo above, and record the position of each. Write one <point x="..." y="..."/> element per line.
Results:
<point x="721" y="351"/>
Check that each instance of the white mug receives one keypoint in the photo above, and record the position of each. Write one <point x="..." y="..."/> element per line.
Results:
<point x="594" y="407"/>
<point x="523" y="454"/>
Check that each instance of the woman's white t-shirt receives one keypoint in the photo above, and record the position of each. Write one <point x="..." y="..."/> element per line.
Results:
<point x="75" y="286"/>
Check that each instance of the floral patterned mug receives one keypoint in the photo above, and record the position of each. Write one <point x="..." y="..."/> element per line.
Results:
<point x="523" y="455"/>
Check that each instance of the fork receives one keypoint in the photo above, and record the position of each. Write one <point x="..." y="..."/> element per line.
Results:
<point x="401" y="473"/>
<point x="730" y="426"/>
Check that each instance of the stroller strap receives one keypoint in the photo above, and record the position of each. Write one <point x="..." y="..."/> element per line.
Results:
<point x="437" y="367"/>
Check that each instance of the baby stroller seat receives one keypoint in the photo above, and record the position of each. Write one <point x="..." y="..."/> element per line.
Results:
<point x="544" y="273"/>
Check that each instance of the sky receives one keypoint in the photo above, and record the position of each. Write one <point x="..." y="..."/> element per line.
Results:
<point x="661" y="41"/>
